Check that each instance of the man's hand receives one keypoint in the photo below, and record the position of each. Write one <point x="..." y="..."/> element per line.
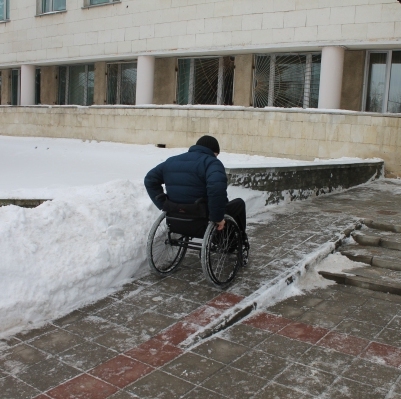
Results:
<point x="220" y="225"/>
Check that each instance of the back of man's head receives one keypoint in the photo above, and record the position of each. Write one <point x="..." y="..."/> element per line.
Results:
<point x="209" y="142"/>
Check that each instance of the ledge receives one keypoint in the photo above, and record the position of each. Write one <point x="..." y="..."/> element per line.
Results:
<point x="51" y="13"/>
<point x="4" y="21"/>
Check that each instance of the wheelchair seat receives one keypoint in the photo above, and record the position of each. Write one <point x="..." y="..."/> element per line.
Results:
<point x="174" y="231"/>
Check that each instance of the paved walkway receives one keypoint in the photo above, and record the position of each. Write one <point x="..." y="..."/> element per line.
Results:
<point x="341" y="342"/>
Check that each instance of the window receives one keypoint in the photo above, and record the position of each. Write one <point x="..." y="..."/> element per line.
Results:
<point x="76" y="84"/>
<point x="383" y="89"/>
<point x="52" y="6"/>
<point x="15" y="86"/>
<point x="88" y="3"/>
<point x="286" y="80"/>
<point x="121" y="83"/>
<point x="205" y="81"/>
<point x="37" y="85"/>
<point x="4" y="10"/>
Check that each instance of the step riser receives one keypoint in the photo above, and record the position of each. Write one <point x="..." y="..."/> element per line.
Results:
<point x="376" y="242"/>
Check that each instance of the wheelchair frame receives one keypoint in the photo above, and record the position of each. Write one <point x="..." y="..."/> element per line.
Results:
<point x="221" y="251"/>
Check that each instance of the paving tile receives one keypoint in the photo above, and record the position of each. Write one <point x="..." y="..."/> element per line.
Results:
<point x="225" y="300"/>
<point x="234" y="384"/>
<point x="120" y="313"/>
<point x="121" y="371"/>
<point x="372" y="373"/>
<point x="8" y="343"/>
<point x="358" y="328"/>
<point x="198" y="393"/>
<point x="245" y="287"/>
<point x="147" y="299"/>
<point x="173" y="286"/>
<point x="86" y="356"/>
<point x="220" y="350"/>
<point x="348" y="389"/>
<point x="203" y="316"/>
<point x="154" y="352"/>
<point x="11" y="388"/>
<point x="306" y="379"/>
<point x="121" y="339"/>
<point x="56" y="341"/>
<point x="122" y="395"/>
<point x="19" y="357"/>
<point x="200" y="293"/>
<point x="48" y="374"/>
<point x="90" y="327"/>
<point x="369" y="315"/>
<point x="277" y="391"/>
<point x="83" y="387"/>
<point x="151" y="323"/>
<point x="267" y="321"/>
<point x="287" y="311"/>
<point x="36" y="332"/>
<point x="326" y="360"/>
<point x="193" y="368"/>
<point x="69" y="318"/>
<point x="159" y="385"/>
<point x="176" y="307"/>
<point x="303" y="332"/>
<point x="177" y="333"/>
<point x="384" y="354"/>
<point x="245" y="335"/>
<point x="336" y="307"/>
<point x="320" y="319"/>
<point x="283" y="347"/>
<point x="260" y="364"/>
<point x="98" y="305"/>
<point x="344" y="343"/>
<point x="389" y="336"/>
<point x="127" y="290"/>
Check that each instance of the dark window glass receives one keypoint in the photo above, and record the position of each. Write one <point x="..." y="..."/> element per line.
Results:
<point x="376" y="82"/>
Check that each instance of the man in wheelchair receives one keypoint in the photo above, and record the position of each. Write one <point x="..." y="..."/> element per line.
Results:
<point x="194" y="175"/>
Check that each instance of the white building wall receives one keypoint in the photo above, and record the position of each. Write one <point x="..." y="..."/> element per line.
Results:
<point x="157" y="27"/>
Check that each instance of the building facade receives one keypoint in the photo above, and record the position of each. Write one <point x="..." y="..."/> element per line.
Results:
<point x="293" y="54"/>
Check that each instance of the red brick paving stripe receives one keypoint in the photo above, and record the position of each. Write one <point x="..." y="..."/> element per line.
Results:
<point x="177" y="333"/>
<point x="82" y="387"/>
<point x="381" y="353"/>
<point x="225" y="301"/>
<point x="154" y="352"/>
<point x="42" y="396"/>
<point x="347" y="344"/>
<point x="121" y="371"/>
<point x="203" y="315"/>
<point x="303" y="332"/>
<point x="267" y="321"/>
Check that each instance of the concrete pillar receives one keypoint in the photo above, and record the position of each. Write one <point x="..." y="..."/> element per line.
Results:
<point x="165" y="76"/>
<point x="48" y="85"/>
<point x="145" y="79"/>
<point x="331" y="76"/>
<point x="5" y="86"/>
<point x="243" y="80"/>
<point x="99" y="95"/>
<point x="28" y="84"/>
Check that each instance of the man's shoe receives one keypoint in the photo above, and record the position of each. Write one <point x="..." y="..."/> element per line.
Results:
<point x="245" y="249"/>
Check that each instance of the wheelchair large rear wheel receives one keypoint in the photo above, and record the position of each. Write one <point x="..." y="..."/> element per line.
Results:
<point x="222" y="253"/>
<point x="163" y="253"/>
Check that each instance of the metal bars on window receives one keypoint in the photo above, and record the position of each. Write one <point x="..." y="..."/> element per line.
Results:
<point x="383" y="82"/>
<point x="121" y="83"/>
<point x="15" y="87"/>
<point x="286" y="80"/>
<point x="76" y="84"/>
<point x="205" y="81"/>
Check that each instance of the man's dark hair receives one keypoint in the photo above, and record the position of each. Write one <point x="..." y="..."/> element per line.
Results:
<point x="209" y="142"/>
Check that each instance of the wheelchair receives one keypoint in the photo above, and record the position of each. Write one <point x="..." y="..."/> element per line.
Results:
<point x="182" y="227"/>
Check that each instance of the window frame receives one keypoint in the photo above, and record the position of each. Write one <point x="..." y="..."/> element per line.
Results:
<point x="307" y="78"/>
<point x="119" y="80"/>
<point x="6" y="11"/>
<point x="18" y="88"/>
<point x="41" y="5"/>
<point x="87" y="3"/>
<point x="389" y="59"/>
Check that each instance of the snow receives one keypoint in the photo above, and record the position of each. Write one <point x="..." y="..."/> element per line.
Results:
<point x="91" y="238"/>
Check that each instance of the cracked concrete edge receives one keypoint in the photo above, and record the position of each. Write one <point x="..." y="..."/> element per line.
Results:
<point x="269" y="291"/>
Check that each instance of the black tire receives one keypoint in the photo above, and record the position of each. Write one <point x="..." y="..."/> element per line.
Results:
<point x="221" y="253"/>
<point x="163" y="258"/>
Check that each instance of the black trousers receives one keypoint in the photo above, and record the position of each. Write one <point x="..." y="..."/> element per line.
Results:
<point x="236" y="209"/>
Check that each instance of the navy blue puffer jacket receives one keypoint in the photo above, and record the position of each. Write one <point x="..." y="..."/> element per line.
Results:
<point x="190" y="176"/>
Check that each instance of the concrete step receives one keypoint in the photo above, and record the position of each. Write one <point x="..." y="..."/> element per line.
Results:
<point x="377" y="241"/>
<point x="382" y="226"/>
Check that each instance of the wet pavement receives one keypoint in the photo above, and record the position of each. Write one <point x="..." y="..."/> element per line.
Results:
<point x="145" y="340"/>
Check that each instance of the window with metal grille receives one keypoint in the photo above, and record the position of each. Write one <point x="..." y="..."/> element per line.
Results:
<point x="4" y="10"/>
<point x="121" y="83"/>
<point x="383" y="76"/>
<point x="286" y="80"/>
<point x="47" y="6"/>
<point x="76" y="84"/>
<point x="37" y="85"/>
<point x="205" y="81"/>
